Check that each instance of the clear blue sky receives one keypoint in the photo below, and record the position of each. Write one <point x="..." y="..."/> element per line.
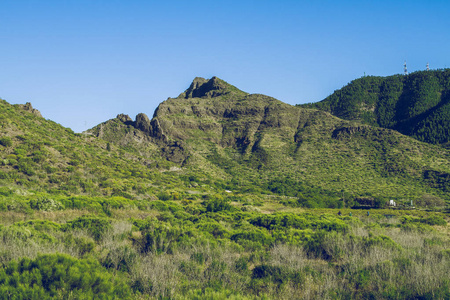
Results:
<point x="83" y="62"/>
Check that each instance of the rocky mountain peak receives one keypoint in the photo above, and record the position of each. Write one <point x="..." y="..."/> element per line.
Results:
<point x="206" y="88"/>
<point x="124" y="118"/>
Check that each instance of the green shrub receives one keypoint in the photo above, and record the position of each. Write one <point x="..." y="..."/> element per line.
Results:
<point x="380" y="240"/>
<point x="252" y="239"/>
<point x="122" y="258"/>
<point x="163" y="196"/>
<point x="6" y="191"/>
<point x="302" y="221"/>
<point x="60" y="275"/>
<point x="218" y="204"/>
<point x="214" y="228"/>
<point x="83" y="245"/>
<point x="161" y="238"/>
<point x="11" y="204"/>
<point x="6" y="141"/>
<point x="95" y="226"/>
<point x="82" y="202"/>
<point x="45" y="204"/>
<point x="26" y="168"/>
<point x="429" y="220"/>
<point x="32" y="230"/>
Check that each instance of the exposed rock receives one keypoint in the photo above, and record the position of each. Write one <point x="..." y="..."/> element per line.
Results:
<point x="143" y="123"/>
<point x="28" y="107"/>
<point x="156" y="130"/>
<point x="195" y="86"/>
<point x="348" y="131"/>
<point x="201" y="88"/>
<point x="175" y="152"/>
<point x="124" y="118"/>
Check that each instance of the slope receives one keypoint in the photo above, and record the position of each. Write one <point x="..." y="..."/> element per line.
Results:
<point x="417" y="105"/>
<point x="256" y="143"/>
<point x="38" y="156"/>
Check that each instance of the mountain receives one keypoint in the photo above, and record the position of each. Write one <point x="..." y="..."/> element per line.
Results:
<point x="257" y="144"/>
<point x="187" y="205"/>
<point x="417" y="105"/>
<point x="39" y="156"/>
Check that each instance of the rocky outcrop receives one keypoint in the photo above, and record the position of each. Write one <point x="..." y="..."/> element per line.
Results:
<point x="204" y="88"/>
<point x="345" y="132"/>
<point x="28" y="107"/>
<point x="124" y="118"/>
<point x="175" y="152"/>
<point x="151" y="127"/>
<point x="143" y="123"/>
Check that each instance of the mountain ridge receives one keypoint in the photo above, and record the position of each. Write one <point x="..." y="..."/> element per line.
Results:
<point x="417" y="105"/>
<point x="232" y="135"/>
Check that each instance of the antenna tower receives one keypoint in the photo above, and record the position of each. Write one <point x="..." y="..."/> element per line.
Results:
<point x="405" y="68"/>
<point x="428" y="67"/>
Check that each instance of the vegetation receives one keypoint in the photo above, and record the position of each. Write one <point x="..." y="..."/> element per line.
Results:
<point x="416" y="105"/>
<point x="179" y="250"/>
<point x="221" y="195"/>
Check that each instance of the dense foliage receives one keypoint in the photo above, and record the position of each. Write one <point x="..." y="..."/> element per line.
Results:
<point x="59" y="276"/>
<point x="218" y="248"/>
<point x="416" y="105"/>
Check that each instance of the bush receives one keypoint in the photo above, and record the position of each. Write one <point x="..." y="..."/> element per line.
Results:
<point x="430" y="220"/>
<point x="6" y="141"/>
<point x="45" y="204"/>
<point x="159" y="237"/>
<point x="428" y="200"/>
<point x="252" y="239"/>
<point x="82" y="202"/>
<point x="163" y="196"/>
<point x="96" y="226"/>
<point x="303" y="221"/>
<point x="59" y="275"/>
<point x="25" y="167"/>
<point x="218" y="204"/>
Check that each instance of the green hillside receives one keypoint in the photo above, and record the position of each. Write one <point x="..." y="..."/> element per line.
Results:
<point x="256" y="144"/>
<point x="417" y="105"/>
<point x="41" y="157"/>
<point x="211" y="198"/>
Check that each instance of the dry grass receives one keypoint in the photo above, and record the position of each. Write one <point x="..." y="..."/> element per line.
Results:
<point x="59" y="216"/>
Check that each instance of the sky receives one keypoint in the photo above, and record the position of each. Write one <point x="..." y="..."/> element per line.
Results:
<point x="83" y="62"/>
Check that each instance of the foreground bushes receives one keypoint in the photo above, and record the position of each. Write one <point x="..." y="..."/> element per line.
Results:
<point x="212" y="249"/>
<point x="61" y="276"/>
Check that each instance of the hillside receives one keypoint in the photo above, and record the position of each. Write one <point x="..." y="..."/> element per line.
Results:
<point x="209" y="200"/>
<point x="257" y="144"/>
<point x="417" y="105"/>
<point x="40" y="157"/>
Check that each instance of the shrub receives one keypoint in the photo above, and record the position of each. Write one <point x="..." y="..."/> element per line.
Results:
<point x="218" y="204"/>
<point x="25" y="167"/>
<point x="6" y="141"/>
<point x="6" y="191"/>
<point x="122" y="258"/>
<point x="430" y="220"/>
<point x="45" y="204"/>
<point x="60" y="275"/>
<point x="303" y="221"/>
<point x="163" y="196"/>
<point x="96" y="226"/>
<point x="252" y="239"/>
<point x="82" y="202"/>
